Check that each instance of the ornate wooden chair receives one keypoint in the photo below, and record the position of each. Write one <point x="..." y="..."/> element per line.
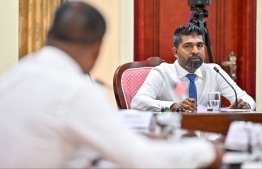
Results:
<point x="129" y="77"/>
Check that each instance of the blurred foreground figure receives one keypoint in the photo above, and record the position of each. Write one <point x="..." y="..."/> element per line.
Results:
<point x="53" y="116"/>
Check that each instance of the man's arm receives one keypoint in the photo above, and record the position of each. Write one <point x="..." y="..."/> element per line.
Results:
<point x="147" y="97"/>
<point x="228" y="92"/>
<point x="88" y="123"/>
<point x="240" y="104"/>
<point x="189" y="104"/>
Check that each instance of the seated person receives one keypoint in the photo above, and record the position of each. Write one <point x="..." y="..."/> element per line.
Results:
<point x="53" y="117"/>
<point x="158" y="91"/>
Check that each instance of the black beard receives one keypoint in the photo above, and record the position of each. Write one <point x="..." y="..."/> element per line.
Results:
<point x="193" y="65"/>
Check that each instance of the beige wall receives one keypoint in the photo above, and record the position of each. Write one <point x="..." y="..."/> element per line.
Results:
<point x="127" y="31"/>
<point x="109" y="57"/>
<point x="8" y="34"/>
<point x="117" y="46"/>
<point x="259" y="57"/>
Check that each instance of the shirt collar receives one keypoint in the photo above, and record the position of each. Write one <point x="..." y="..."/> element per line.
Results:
<point x="60" y="59"/>
<point x="181" y="72"/>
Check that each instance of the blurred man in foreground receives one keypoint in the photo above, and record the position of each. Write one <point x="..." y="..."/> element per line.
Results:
<point x="52" y="116"/>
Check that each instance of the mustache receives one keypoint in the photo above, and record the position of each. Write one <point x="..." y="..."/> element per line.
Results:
<point x="195" y="56"/>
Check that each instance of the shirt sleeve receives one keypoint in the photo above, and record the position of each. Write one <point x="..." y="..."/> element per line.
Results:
<point x="147" y="97"/>
<point x="92" y="121"/>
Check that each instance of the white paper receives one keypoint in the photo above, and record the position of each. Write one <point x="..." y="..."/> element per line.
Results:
<point x="226" y="109"/>
<point x="203" y="109"/>
<point x="238" y="136"/>
<point x="235" y="157"/>
<point x="142" y="121"/>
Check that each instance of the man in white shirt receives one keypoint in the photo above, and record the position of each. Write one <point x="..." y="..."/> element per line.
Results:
<point x="158" y="90"/>
<point x="53" y="116"/>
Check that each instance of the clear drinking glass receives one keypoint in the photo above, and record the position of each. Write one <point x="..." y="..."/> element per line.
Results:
<point x="214" y="101"/>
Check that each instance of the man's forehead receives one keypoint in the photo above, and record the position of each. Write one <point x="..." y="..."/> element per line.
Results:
<point x="192" y="38"/>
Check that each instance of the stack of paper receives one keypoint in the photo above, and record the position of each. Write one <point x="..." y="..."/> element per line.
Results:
<point x="139" y="120"/>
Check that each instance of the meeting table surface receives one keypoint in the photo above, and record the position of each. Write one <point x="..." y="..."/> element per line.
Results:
<point x="217" y="122"/>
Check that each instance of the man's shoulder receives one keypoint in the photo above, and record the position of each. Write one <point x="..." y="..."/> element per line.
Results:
<point x="209" y="66"/>
<point x="165" y="67"/>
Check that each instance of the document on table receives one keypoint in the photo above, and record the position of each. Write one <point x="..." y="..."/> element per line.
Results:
<point x="141" y="121"/>
<point x="226" y="109"/>
<point x="203" y="109"/>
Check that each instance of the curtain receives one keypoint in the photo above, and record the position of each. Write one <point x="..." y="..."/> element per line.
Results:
<point x="35" y="18"/>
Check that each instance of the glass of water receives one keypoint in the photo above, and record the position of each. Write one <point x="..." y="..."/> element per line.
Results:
<point x="213" y="102"/>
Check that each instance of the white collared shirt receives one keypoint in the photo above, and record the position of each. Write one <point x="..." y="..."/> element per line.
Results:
<point x="53" y="116"/>
<point x="158" y="90"/>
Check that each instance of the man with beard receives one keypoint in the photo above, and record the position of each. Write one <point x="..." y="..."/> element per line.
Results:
<point x="157" y="92"/>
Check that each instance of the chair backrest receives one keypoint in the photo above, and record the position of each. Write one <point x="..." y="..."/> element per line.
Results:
<point x="129" y="77"/>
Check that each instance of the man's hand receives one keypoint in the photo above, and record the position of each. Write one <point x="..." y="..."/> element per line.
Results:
<point x="241" y="105"/>
<point x="188" y="104"/>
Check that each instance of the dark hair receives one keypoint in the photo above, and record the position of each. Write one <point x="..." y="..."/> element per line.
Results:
<point x="77" y="22"/>
<point x="189" y="29"/>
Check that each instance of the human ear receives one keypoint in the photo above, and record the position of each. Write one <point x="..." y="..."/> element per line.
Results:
<point x="174" y="51"/>
<point x="90" y="56"/>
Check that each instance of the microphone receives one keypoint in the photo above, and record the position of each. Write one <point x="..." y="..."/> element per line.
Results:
<point x="236" y="104"/>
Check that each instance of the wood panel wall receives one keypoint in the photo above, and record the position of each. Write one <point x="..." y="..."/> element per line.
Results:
<point x="231" y="25"/>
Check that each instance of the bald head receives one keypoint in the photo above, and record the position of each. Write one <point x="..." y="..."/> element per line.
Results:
<point x="77" y="22"/>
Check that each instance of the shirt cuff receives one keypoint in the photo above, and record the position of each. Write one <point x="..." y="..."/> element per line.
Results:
<point x="251" y="103"/>
<point x="166" y="103"/>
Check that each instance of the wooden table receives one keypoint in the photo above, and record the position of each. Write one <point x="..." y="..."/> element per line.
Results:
<point x="217" y="122"/>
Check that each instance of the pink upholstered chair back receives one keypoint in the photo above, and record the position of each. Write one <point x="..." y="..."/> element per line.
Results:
<point x="132" y="80"/>
<point x="129" y="77"/>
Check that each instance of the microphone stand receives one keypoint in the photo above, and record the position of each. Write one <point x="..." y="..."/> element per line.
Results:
<point x="236" y="103"/>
